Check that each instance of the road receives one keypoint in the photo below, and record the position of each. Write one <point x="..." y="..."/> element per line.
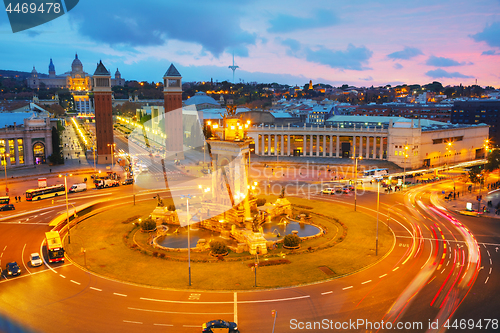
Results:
<point x="441" y="266"/>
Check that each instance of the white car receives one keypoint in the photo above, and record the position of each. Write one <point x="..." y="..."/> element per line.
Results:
<point x="35" y="260"/>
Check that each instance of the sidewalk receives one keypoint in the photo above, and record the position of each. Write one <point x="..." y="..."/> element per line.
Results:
<point x="460" y="204"/>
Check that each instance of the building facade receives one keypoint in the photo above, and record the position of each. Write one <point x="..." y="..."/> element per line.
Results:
<point x="26" y="144"/>
<point x="435" y="112"/>
<point x="411" y="143"/>
<point x="479" y="111"/>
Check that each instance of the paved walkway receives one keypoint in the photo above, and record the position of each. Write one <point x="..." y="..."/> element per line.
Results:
<point x="460" y="203"/>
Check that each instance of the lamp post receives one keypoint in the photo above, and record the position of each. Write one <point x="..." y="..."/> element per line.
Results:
<point x="67" y="210"/>
<point x="5" y="168"/>
<point x="378" y="204"/>
<point x="356" y="177"/>
<point x="93" y="150"/>
<point x="404" y="165"/>
<point x="112" y="145"/>
<point x="187" y="197"/>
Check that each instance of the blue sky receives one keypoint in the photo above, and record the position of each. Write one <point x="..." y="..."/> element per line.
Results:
<point x="360" y="43"/>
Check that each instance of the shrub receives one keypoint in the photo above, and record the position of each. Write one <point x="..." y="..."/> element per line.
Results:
<point x="272" y="262"/>
<point x="148" y="224"/>
<point x="171" y="208"/>
<point x="291" y="240"/>
<point x="261" y="202"/>
<point x="155" y="254"/>
<point x="218" y="247"/>
<point x="130" y="219"/>
<point x="162" y="255"/>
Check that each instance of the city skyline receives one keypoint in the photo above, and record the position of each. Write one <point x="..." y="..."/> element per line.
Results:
<point x="334" y="43"/>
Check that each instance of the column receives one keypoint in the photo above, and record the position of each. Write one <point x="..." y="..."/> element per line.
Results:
<point x="361" y="146"/>
<point x="354" y="146"/>
<point x="317" y="145"/>
<point x="282" y="148"/>
<point x="16" y="148"/>
<point x="324" y="145"/>
<point x="263" y="143"/>
<point x="304" y="137"/>
<point x="269" y="136"/>
<point x="381" y="147"/>
<point x="311" y="150"/>
<point x="338" y="147"/>
<point x="331" y="145"/>
<point x="276" y="144"/>
<point x="367" y="147"/>
<point x="288" y="145"/>
<point x="7" y="151"/>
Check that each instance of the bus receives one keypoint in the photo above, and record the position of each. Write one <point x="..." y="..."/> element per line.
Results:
<point x="375" y="173"/>
<point x="4" y="200"/>
<point x="54" y="246"/>
<point x="45" y="192"/>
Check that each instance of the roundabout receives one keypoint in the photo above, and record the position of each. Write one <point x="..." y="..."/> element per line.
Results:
<point x="111" y="244"/>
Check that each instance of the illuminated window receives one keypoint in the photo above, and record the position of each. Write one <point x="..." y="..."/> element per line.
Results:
<point x="20" y="149"/>
<point x="12" y="152"/>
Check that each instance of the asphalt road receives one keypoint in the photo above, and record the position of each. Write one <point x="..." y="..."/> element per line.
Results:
<point x="438" y="269"/>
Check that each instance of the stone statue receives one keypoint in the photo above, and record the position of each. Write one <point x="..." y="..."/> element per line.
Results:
<point x="159" y="201"/>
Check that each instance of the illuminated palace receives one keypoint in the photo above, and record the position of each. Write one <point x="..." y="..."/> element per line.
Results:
<point x="77" y="81"/>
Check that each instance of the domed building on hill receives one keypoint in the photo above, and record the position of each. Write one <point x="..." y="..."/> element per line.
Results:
<point x="76" y="80"/>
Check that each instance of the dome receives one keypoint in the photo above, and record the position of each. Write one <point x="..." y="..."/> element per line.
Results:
<point x="201" y="98"/>
<point x="34" y="70"/>
<point x="76" y="66"/>
<point x="117" y="73"/>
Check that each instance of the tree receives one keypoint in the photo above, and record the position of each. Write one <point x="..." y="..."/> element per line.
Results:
<point x="291" y="240"/>
<point x="493" y="160"/>
<point x="475" y="174"/>
<point x="148" y="224"/>
<point x="218" y="247"/>
<point x="56" y="157"/>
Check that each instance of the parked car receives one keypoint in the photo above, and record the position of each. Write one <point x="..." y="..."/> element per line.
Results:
<point x="219" y="325"/>
<point x="13" y="269"/>
<point x="7" y="207"/>
<point x="78" y="188"/>
<point x="35" y="259"/>
<point x="346" y="190"/>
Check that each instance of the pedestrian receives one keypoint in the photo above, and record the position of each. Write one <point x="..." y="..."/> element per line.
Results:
<point x="50" y="170"/>
<point x="458" y="195"/>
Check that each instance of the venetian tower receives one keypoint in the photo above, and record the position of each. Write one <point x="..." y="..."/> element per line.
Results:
<point x="172" y="93"/>
<point x="101" y="86"/>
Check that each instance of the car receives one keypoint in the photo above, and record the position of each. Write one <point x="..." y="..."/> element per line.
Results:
<point x="328" y="190"/>
<point x="13" y="269"/>
<point x="7" y="207"/>
<point x="346" y="190"/>
<point x="35" y="259"/>
<point x="128" y="181"/>
<point x="220" y="325"/>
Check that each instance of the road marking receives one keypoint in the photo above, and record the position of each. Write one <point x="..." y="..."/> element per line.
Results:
<point x="62" y="276"/>
<point x="1" y="255"/>
<point x="381" y="276"/>
<point x="45" y="213"/>
<point x="486" y="280"/>
<point x="395" y="269"/>
<point x="347" y="288"/>
<point x="228" y="302"/>
<point x="132" y="322"/>
<point x="366" y="282"/>
<point x="22" y="256"/>
<point x="119" y="294"/>
<point x="187" y="313"/>
<point x="490" y="262"/>
<point x="488" y="253"/>
<point x="190" y="325"/>
<point x="490" y="270"/>
<point x="78" y="283"/>
<point x="326" y="293"/>
<point x="5" y="247"/>
<point x="163" y="325"/>
<point x="97" y="289"/>
<point x="235" y="310"/>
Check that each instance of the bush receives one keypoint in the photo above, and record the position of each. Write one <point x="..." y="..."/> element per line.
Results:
<point x="162" y="255"/>
<point x="131" y="219"/>
<point x="261" y="202"/>
<point x="291" y="240"/>
<point x="155" y="254"/>
<point x="148" y="224"/>
<point x="218" y="247"/>
<point x="171" y="208"/>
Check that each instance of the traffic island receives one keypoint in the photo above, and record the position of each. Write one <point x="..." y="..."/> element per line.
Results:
<point x="110" y="244"/>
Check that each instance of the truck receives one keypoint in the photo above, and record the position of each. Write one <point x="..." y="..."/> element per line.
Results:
<point x="102" y="183"/>
<point x="78" y="188"/>
<point x="55" y="249"/>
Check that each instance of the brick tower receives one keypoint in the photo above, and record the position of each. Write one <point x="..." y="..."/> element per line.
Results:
<point x="101" y="86"/>
<point x="172" y="92"/>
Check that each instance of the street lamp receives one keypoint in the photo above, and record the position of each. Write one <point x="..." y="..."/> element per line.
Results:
<point x="5" y="168"/>
<point x="67" y="210"/>
<point x="378" y="204"/>
<point x="93" y="150"/>
<point x="112" y="145"/>
<point x="356" y="177"/>
<point x="404" y="165"/>
<point x="187" y="197"/>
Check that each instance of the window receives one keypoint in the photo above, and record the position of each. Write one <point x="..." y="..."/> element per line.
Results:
<point x="12" y="152"/>
<point x="20" y="149"/>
